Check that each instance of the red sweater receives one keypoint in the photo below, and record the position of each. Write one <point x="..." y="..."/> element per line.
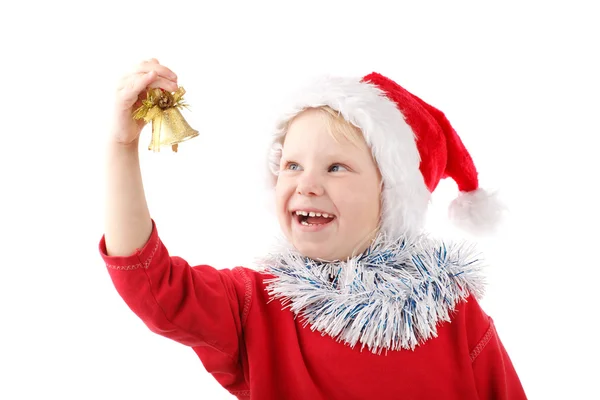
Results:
<point x="256" y="350"/>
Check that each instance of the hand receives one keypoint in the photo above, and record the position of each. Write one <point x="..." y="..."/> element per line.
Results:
<point x="131" y="92"/>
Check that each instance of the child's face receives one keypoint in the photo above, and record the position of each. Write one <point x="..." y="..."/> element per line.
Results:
<point x="319" y="174"/>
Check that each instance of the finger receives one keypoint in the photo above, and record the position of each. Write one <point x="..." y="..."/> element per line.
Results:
<point x="126" y="79"/>
<point x="135" y="86"/>
<point x="144" y="67"/>
<point x="131" y="92"/>
<point x="160" y="70"/>
<point x="163" y="83"/>
<point x="149" y="61"/>
<point x="136" y="68"/>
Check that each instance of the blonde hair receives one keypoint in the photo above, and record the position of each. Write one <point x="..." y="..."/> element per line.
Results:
<point x="337" y="126"/>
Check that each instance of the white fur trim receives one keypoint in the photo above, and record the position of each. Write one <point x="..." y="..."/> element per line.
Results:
<point x="405" y="197"/>
<point x="477" y="212"/>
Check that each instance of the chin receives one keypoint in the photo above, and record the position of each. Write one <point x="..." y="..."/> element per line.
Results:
<point x="316" y="251"/>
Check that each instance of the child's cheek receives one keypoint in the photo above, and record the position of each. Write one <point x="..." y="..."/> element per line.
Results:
<point x="283" y="191"/>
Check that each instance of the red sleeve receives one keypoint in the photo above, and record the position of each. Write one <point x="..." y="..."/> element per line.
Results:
<point x="495" y="375"/>
<point x="195" y="306"/>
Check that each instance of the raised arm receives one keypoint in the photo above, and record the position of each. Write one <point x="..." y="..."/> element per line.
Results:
<point x="127" y="219"/>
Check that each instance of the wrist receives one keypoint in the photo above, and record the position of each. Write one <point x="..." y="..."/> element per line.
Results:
<point x="131" y="146"/>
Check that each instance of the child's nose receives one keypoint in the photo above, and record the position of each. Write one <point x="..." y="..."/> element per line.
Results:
<point x="309" y="186"/>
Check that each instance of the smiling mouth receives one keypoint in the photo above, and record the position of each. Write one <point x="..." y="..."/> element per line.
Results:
<point x="310" y="218"/>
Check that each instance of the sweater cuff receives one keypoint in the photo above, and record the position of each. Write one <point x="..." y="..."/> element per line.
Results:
<point x="139" y="259"/>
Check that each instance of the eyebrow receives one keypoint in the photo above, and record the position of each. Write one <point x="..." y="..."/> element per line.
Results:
<point x="330" y="155"/>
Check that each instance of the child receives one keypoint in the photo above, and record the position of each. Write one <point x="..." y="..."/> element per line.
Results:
<point x="360" y="303"/>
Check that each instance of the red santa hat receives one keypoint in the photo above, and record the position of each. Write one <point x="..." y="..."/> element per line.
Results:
<point x="414" y="146"/>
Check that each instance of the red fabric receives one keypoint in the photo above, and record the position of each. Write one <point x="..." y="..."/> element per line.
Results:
<point x="442" y="152"/>
<point x="257" y="351"/>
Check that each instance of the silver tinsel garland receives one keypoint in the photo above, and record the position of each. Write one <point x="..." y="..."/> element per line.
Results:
<point x="391" y="297"/>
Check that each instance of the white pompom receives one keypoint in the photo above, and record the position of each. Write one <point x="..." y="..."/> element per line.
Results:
<point x="478" y="212"/>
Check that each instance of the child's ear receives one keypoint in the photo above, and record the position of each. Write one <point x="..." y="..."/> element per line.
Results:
<point x="275" y="153"/>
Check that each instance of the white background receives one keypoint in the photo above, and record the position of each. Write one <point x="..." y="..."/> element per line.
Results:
<point x="518" y="81"/>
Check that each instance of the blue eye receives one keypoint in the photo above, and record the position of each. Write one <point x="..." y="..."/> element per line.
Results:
<point x="337" y="168"/>
<point x="293" y="166"/>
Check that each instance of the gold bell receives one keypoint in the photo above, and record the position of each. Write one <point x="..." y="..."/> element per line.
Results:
<point x="170" y="128"/>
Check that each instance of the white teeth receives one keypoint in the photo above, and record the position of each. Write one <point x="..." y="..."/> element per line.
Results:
<point x="305" y="223"/>
<point x="313" y="214"/>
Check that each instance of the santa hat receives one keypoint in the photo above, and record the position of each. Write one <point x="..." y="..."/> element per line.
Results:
<point x="414" y="146"/>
